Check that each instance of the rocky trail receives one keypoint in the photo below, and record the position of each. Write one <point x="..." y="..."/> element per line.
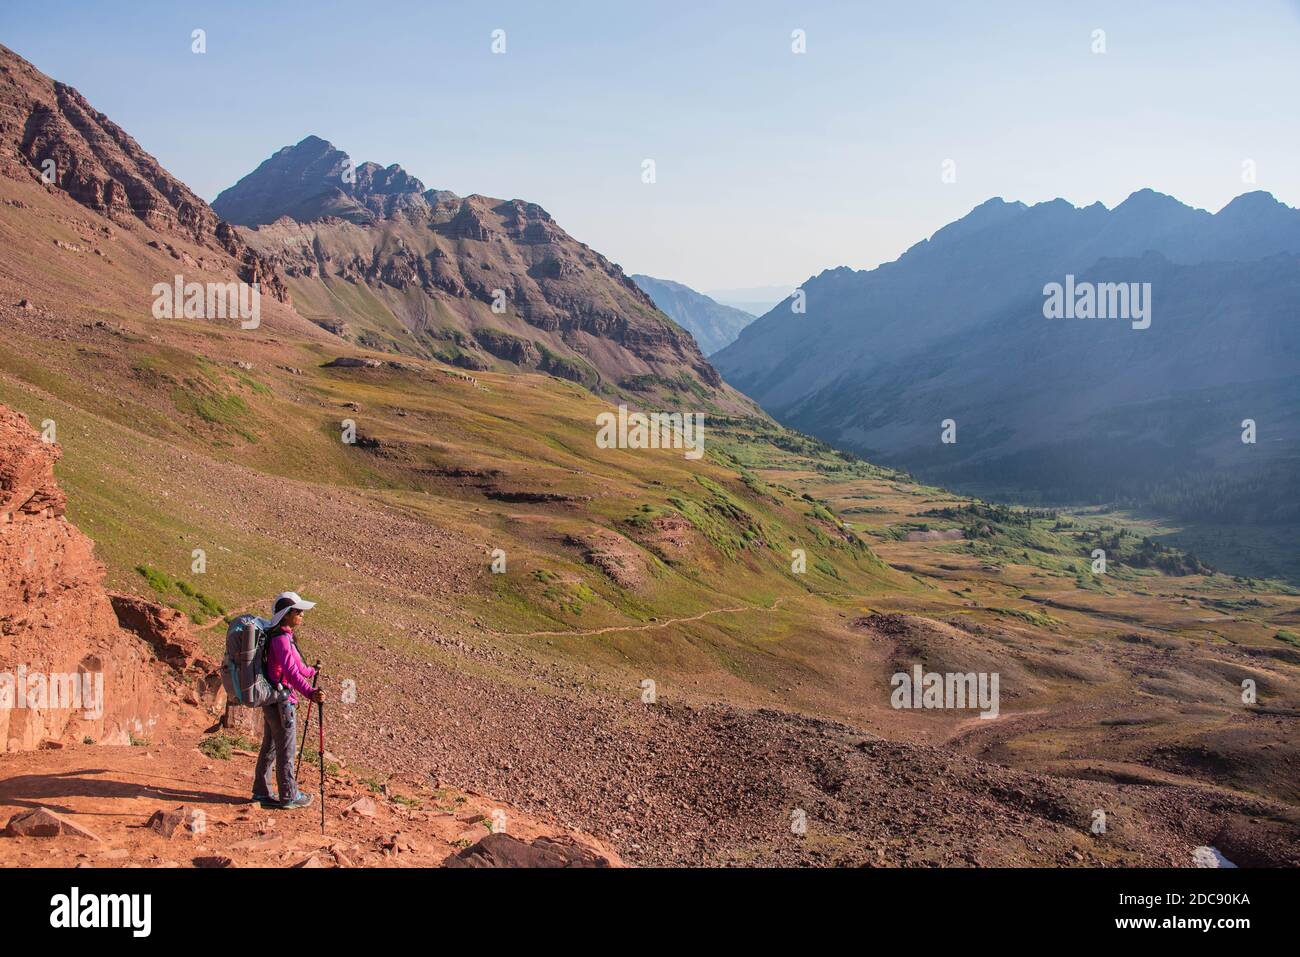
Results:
<point x="652" y="626"/>
<point x="171" y="805"/>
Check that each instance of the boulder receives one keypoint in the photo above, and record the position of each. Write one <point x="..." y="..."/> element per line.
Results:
<point x="167" y="631"/>
<point x="178" y="822"/>
<point x="42" y="822"/>
<point x="164" y="629"/>
<point x="503" y="850"/>
<point x="361" y="807"/>
<point x="353" y="362"/>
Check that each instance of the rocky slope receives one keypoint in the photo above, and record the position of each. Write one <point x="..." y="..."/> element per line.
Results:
<point x="50" y="133"/>
<point x="479" y="282"/>
<point x="711" y="323"/>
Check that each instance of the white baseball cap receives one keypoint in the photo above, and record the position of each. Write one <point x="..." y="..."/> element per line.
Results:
<point x="286" y="602"/>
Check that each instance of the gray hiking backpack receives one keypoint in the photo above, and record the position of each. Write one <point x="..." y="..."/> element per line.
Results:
<point x="243" y="672"/>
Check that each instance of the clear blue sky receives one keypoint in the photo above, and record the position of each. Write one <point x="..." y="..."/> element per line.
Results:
<point x="771" y="166"/>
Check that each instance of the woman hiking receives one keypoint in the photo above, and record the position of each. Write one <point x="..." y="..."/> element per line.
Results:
<point x="286" y="669"/>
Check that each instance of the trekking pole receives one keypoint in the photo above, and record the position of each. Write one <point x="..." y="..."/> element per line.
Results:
<point x="306" y="725"/>
<point x="320" y="727"/>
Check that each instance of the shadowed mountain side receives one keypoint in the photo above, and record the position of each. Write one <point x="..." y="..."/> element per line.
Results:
<point x="1062" y="409"/>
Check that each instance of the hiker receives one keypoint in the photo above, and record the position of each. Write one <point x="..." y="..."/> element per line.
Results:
<point x="284" y="669"/>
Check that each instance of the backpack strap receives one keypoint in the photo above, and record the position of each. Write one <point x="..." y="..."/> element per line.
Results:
<point x="266" y="644"/>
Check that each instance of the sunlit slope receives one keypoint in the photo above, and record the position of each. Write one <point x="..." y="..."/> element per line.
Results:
<point x="173" y="443"/>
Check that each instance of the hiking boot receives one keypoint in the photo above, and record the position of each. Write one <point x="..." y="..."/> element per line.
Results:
<point x="265" y="800"/>
<point x="302" y="800"/>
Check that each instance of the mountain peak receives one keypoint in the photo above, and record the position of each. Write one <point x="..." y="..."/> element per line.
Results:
<point x="1255" y="203"/>
<point x="992" y="208"/>
<point x="1146" y="200"/>
<point x="371" y="178"/>
<point x="309" y="149"/>
<point x="311" y="142"/>
<point x="313" y="179"/>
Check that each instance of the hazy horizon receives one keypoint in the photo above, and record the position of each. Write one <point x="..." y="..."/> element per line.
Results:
<point x="771" y="166"/>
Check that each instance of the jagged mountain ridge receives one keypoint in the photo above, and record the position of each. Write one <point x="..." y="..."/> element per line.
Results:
<point x="478" y="282"/>
<point x="312" y="180"/>
<point x="1065" y="409"/>
<point x="997" y="255"/>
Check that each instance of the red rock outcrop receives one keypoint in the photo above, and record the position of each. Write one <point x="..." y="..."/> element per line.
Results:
<point x="68" y="670"/>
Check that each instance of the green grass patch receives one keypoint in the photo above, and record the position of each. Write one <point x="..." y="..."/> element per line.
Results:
<point x="158" y="581"/>
<point x="221" y="746"/>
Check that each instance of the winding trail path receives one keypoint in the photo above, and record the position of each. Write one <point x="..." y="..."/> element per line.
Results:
<point x="650" y="627"/>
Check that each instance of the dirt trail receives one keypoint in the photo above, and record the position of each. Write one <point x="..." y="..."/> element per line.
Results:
<point x="253" y="609"/>
<point x="650" y="627"/>
<point x="113" y="791"/>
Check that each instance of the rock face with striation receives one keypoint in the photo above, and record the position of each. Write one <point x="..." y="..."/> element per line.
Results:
<point x="68" y="669"/>
<point x="312" y="180"/>
<point x="50" y="133"/>
<point x="480" y="283"/>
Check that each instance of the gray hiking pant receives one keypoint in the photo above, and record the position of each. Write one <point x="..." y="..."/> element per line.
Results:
<point x="279" y="738"/>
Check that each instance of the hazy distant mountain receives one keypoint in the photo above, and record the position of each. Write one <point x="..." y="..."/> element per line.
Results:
<point x="1062" y="408"/>
<point x="713" y="324"/>
<point x="479" y="282"/>
<point x="754" y="300"/>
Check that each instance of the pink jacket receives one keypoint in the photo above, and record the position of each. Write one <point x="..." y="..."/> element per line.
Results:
<point x="284" y="665"/>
